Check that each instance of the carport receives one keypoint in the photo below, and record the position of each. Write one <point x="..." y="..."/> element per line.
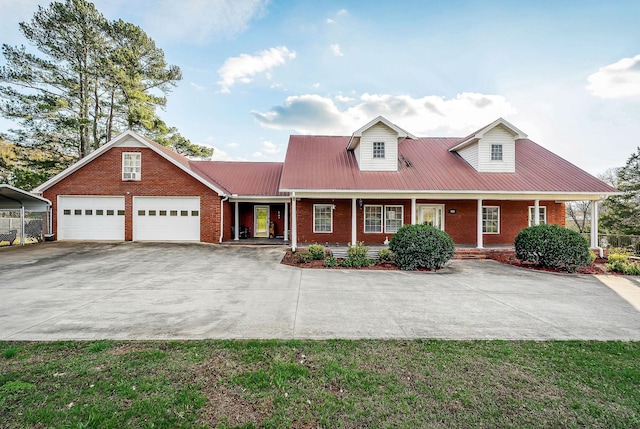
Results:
<point x="23" y="215"/>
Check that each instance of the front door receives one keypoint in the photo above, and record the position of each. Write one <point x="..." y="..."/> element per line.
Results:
<point x="431" y="214"/>
<point x="261" y="221"/>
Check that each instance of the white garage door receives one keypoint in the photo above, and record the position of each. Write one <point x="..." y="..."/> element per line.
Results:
<point x="166" y="218"/>
<point x="90" y="218"/>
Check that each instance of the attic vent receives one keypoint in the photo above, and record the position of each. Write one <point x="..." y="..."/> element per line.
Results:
<point x="405" y="161"/>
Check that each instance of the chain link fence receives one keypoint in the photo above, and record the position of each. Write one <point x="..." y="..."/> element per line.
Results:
<point x="35" y="227"/>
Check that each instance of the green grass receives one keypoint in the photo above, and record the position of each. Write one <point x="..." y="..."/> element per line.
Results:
<point x="336" y="383"/>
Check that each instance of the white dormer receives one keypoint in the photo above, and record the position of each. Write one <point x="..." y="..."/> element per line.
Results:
<point x="492" y="149"/>
<point x="376" y="145"/>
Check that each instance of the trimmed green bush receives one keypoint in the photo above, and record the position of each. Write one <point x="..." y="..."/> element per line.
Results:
<point x="620" y="262"/>
<point x="385" y="254"/>
<point x="553" y="246"/>
<point x="357" y="256"/>
<point x="330" y="261"/>
<point x="316" y="251"/>
<point x="421" y="246"/>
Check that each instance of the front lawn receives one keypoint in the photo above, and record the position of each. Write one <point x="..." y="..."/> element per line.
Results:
<point x="309" y="384"/>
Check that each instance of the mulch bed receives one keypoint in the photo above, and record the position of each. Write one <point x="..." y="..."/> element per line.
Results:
<point x="598" y="266"/>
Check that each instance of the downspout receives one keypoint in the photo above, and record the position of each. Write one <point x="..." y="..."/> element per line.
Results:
<point x="226" y="198"/>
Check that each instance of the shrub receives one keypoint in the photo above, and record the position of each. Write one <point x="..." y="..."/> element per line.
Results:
<point x="620" y="262"/>
<point x="421" y="246"/>
<point x="553" y="246"/>
<point x="385" y="255"/>
<point x="330" y="261"/>
<point x="303" y="257"/>
<point x="357" y="256"/>
<point x="10" y="352"/>
<point x="316" y="251"/>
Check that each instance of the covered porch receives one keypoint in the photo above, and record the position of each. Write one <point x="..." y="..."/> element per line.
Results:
<point x="478" y="221"/>
<point x="259" y="221"/>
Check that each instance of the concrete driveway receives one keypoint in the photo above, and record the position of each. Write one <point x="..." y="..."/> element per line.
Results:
<point x="130" y="290"/>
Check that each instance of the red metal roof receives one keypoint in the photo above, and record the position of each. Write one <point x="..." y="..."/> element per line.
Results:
<point x="425" y="164"/>
<point x="242" y="178"/>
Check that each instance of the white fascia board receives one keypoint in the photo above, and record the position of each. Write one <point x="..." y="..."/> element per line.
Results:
<point x="479" y="134"/>
<point x="355" y="137"/>
<point x="96" y="153"/>
<point x="385" y="193"/>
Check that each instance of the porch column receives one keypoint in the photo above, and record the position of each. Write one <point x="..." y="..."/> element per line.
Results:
<point x="479" y="236"/>
<point x="294" y="236"/>
<point x="236" y="223"/>
<point x="413" y="211"/>
<point x="536" y="214"/>
<point x="594" y="224"/>
<point x="354" y="217"/>
<point x="286" y="221"/>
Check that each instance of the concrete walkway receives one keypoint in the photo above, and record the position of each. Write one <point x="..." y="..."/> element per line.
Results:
<point x="56" y="291"/>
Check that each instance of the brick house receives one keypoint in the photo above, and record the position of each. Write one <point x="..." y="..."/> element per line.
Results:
<point x="481" y="189"/>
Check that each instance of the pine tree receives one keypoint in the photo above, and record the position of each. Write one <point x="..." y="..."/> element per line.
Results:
<point x="623" y="211"/>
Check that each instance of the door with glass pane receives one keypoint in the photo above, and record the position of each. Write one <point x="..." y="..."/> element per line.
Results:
<point x="261" y="221"/>
<point x="431" y="215"/>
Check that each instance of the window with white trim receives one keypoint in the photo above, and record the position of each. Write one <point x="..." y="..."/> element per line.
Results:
<point x="372" y="218"/>
<point x="323" y="218"/>
<point x="532" y="214"/>
<point x="131" y="166"/>
<point x="378" y="149"/>
<point x="393" y="217"/>
<point x="491" y="220"/>
<point x="496" y="152"/>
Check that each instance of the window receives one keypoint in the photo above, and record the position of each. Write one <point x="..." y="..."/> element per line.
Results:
<point x="120" y="212"/>
<point x="184" y="212"/>
<point x="532" y="214"/>
<point x="322" y="217"/>
<point x="99" y="212"/>
<point x="152" y="212"/>
<point x="131" y="165"/>
<point x="491" y="220"/>
<point x="496" y="152"/>
<point x="393" y="218"/>
<point x="110" y="212"/>
<point x="378" y="149"/>
<point x="88" y="212"/>
<point x="163" y="212"/>
<point x="372" y="218"/>
<point x="173" y="213"/>
<point x="77" y="212"/>
<point x="67" y="211"/>
<point x="195" y="212"/>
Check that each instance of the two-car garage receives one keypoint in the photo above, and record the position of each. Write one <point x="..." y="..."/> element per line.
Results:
<point x="103" y="218"/>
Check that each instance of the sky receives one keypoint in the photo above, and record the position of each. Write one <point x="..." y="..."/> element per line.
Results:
<point x="566" y="73"/>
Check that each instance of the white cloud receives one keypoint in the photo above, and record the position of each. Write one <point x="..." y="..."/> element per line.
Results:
<point x="258" y="155"/>
<point x="200" y="20"/>
<point x="618" y="80"/>
<point x="316" y="85"/>
<point x="196" y="86"/>
<point x="342" y="12"/>
<point x="269" y="147"/>
<point x="341" y="98"/>
<point x="233" y="145"/>
<point x="330" y="21"/>
<point x="314" y="114"/>
<point x="335" y="50"/>
<point x="244" y="67"/>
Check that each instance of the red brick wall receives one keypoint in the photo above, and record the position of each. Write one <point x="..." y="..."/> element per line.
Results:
<point x="461" y="225"/>
<point x="103" y="176"/>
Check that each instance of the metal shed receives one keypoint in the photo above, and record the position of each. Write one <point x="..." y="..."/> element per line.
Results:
<point x="23" y="214"/>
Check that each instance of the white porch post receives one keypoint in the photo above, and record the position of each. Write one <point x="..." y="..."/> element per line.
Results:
<point x="536" y="212"/>
<point x="286" y="221"/>
<point x="294" y="236"/>
<point x="479" y="238"/>
<point x="594" y="225"/>
<point x="236" y="223"/>
<point x="413" y="211"/>
<point x="354" y="218"/>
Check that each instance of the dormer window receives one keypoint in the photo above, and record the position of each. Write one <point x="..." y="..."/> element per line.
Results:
<point x="378" y="149"/>
<point x="496" y="152"/>
<point x="131" y="165"/>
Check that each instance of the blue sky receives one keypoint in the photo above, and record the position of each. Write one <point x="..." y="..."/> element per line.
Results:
<point x="567" y="73"/>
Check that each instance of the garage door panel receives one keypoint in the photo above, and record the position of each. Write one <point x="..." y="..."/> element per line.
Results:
<point x="90" y="218"/>
<point x="166" y="218"/>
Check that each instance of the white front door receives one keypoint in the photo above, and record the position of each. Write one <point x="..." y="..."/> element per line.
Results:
<point x="166" y="218"/>
<point x="90" y="218"/>
<point x="261" y="221"/>
<point x="431" y="214"/>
